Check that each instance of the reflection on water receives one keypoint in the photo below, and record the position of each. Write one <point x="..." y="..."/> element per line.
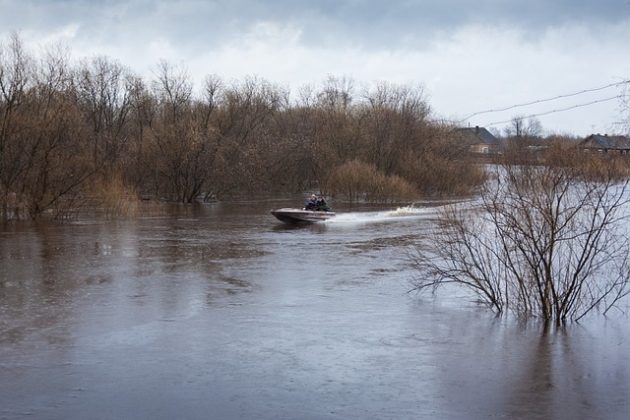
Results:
<point x="221" y="311"/>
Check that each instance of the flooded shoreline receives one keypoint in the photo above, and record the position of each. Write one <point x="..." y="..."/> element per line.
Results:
<point x="220" y="311"/>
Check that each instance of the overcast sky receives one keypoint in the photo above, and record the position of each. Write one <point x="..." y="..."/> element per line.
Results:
<point x="469" y="56"/>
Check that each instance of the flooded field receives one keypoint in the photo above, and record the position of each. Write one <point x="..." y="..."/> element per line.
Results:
<point x="222" y="312"/>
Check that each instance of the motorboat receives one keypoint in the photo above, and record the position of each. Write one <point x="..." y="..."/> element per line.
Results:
<point x="293" y="215"/>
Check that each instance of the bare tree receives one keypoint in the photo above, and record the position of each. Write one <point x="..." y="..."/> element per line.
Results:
<point x="524" y="128"/>
<point x="392" y="122"/>
<point x="183" y="142"/>
<point x="337" y="92"/>
<point x="42" y="159"/>
<point x="16" y="69"/>
<point x="625" y="106"/>
<point x="142" y="115"/>
<point x="173" y="88"/>
<point x="245" y="126"/>
<point x="104" y="94"/>
<point x="544" y="241"/>
<point x="56" y="134"/>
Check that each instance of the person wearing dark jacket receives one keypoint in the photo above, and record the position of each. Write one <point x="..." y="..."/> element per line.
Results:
<point x="311" y="203"/>
<point x="321" y="205"/>
<point x="316" y="203"/>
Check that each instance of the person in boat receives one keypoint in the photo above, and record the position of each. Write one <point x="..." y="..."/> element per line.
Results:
<point x="321" y="204"/>
<point x="311" y="203"/>
<point x="316" y="203"/>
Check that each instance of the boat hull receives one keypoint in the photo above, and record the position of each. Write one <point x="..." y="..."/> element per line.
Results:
<point x="291" y="215"/>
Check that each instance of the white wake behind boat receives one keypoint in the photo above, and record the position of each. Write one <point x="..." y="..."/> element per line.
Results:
<point x="293" y="215"/>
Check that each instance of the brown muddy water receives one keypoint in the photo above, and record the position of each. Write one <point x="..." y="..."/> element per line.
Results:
<point x="221" y="312"/>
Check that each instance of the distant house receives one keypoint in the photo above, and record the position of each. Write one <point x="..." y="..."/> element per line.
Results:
<point x="479" y="141"/>
<point x="599" y="143"/>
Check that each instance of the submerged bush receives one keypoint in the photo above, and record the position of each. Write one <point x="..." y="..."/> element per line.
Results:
<point x="356" y="180"/>
<point x="544" y="242"/>
<point x="114" y="198"/>
<point x="434" y="174"/>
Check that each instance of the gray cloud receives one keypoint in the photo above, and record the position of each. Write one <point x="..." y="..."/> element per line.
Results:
<point x="366" y="23"/>
<point x="470" y="56"/>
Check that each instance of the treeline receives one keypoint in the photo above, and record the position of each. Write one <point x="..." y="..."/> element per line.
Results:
<point x="71" y="131"/>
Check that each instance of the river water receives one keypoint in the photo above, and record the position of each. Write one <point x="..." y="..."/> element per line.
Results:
<point x="221" y="312"/>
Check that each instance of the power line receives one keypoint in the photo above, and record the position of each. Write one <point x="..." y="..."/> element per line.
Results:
<point x="553" y="111"/>
<point x="538" y="101"/>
